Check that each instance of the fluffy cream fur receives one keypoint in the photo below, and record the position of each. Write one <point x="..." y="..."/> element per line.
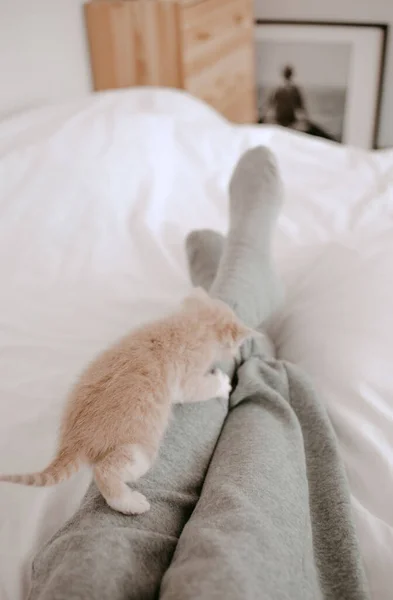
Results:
<point x="118" y="411"/>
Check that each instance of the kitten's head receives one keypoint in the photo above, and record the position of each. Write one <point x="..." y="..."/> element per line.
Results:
<point x="220" y="321"/>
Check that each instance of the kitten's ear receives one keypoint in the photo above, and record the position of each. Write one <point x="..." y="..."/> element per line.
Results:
<point x="196" y="297"/>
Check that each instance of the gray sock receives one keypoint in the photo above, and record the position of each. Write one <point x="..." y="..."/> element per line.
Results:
<point x="204" y="249"/>
<point x="246" y="279"/>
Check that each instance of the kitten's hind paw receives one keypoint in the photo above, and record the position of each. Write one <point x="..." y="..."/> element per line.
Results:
<point x="130" y="503"/>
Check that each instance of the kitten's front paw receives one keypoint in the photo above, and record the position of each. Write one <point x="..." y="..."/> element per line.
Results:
<point x="224" y="387"/>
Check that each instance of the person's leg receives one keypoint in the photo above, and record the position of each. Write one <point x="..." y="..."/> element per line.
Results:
<point x="102" y="555"/>
<point x="274" y="518"/>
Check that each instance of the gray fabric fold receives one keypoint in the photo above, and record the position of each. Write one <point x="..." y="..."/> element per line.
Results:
<point x="274" y="518"/>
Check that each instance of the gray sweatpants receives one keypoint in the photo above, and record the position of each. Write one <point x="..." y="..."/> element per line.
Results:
<point x="247" y="503"/>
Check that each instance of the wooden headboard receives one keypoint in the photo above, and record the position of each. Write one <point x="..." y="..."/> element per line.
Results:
<point x="203" y="46"/>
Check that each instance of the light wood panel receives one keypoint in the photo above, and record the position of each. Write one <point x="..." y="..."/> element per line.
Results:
<point x="214" y="28"/>
<point x="134" y="43"/>
<point x="183" y="2"/>
<point x="218" y="56"/>
<point x="227" y="86"/>
<point x="203" y="46"/>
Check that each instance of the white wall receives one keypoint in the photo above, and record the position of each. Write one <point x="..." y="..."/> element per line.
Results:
<point x="43" y="54"/>
<point x="377" y="11"/>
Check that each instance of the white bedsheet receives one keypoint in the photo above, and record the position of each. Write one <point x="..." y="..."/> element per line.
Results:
<point x="95" y="201"/>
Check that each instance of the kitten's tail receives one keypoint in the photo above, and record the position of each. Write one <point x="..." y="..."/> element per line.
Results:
<point x="62" y="467"/>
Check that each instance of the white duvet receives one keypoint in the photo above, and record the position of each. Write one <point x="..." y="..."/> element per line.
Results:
<point x="95" y="201"/>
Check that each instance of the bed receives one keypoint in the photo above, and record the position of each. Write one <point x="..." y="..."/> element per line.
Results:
<point x="96" y="198"/>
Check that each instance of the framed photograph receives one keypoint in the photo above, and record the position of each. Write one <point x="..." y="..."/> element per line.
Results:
<point x="324" y="79"/>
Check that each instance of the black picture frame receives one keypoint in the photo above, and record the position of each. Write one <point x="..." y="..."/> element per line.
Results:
<point x="384" y="30"/>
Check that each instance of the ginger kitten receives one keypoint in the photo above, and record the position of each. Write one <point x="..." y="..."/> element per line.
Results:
<point x="117" y="413"/>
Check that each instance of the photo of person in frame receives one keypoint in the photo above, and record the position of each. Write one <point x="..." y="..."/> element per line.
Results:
<point x="287" y="107"/>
